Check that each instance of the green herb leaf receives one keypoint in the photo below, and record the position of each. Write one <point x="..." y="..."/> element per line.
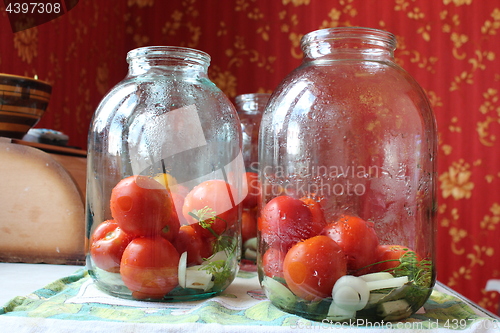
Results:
<point x="206" y="217"/>
<point x="418" y="271"/>
<point x="220" y="269"/>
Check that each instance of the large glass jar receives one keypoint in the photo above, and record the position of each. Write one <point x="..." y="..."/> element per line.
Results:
<point x="164" y="181"/>
<point x="347" y="157"/>
<point x="250" y="108"/>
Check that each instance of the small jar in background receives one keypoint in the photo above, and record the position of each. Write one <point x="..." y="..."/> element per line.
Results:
<point x="164" y="181"/>
<point x="250" y="108"/>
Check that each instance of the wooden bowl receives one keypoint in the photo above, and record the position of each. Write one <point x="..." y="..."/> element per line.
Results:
<point x="23" y="101"/>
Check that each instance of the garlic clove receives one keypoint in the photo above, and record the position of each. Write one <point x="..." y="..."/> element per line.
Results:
<point x="394" y="282"/>
<point x="197" y="278"/>
<point x="221" y="255"/>
<point x="181" y="274"/>
<point x="351" y="293"/>
<point x="337" y="313"/>
<point x="377" y="276"/>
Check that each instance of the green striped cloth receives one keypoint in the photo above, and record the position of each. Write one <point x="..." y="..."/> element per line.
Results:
<point x="74" y="304"/>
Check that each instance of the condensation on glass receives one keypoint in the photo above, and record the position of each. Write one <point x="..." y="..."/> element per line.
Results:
<point x="164" y="181"/>
<point x="347" y="157"/>
<point x="250" y="108"/>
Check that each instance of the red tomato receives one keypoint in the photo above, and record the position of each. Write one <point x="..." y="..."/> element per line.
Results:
<point x="171" y="230"/>
<point x="358" y="240"/>
<point x="285" y="221"/>
<point x="248" y="224"/>
<point x="312" y="267"/>
<point x="143" y="207"/>
<point x="197" y="247"/>
<point x="251" y="186"/>
<point x="149" y="267"/>
<point x="390" y="254"/>
<point x="107" y="244"/>
<point x="179" y="189"/>
<point x="316" y="210"/>
<point x="272" y="262"/>
<point x="178" y="200"/>
<point x="216" y="195"/>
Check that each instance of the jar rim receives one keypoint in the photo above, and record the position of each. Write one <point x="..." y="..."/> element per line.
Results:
<point x="329" y="34"/>
<point x="252" y="96"/>
<point x="178" y="52"/>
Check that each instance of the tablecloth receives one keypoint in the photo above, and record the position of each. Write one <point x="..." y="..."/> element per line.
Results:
<point x="74" y="304"/>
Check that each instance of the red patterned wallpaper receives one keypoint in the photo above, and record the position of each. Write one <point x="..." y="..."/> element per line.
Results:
<point x="452" y="48"/>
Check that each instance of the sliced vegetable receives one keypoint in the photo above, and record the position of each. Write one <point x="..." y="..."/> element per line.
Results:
<point x="194" y="277"/>
<point x="251" y="244"/>
<point x="394" y="309"/>
<point x="221" y="267"/>
<point x="198" y="278"/>
<point x="387" y="283"/>
<point x="338" y="314"/>
<point x="182" y="269"/>
<point x="221" y="255"/>
<point x="250" y="249"/>
<point x="377" y="276"/>
<point x="278" y="294"/>
<point x="250" y="254"/>
<point x="350" y="293"/>
<point x="375" y="299"/>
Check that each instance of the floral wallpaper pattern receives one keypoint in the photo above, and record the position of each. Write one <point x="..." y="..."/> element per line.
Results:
<point x="451" y="47"/>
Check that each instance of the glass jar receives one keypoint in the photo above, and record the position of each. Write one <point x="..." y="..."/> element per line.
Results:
<point x="347" y="158"/>
<point x="164" y="181"/>
<point x="250" y="108"/>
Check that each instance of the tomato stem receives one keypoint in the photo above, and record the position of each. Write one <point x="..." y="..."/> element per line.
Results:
<point x="212" y="232"/>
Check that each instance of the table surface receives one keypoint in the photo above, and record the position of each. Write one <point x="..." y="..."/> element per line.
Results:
<point x="22" y="279"/>
<point x="25" y="279"/>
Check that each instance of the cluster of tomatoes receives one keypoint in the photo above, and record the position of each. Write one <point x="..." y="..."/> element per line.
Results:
<point x="250" y="206"/>
<point x="146" y="235"/>
<point x="310" y="254"/>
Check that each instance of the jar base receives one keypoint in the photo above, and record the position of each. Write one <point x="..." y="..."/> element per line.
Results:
<point x="385" y="305"/>
<point x="119" y="290"/>
<point x="362" y="318"/>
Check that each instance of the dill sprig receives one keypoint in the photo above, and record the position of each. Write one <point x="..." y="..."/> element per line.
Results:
<point x="418" y="271"/>
<point x="207" y="217"/>
<point x="220" y="269"/>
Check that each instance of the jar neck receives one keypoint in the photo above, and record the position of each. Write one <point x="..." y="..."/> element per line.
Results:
<point x="167" y="59"/>
<point x="349" y="43"/>
<point x="252" y="103"/>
